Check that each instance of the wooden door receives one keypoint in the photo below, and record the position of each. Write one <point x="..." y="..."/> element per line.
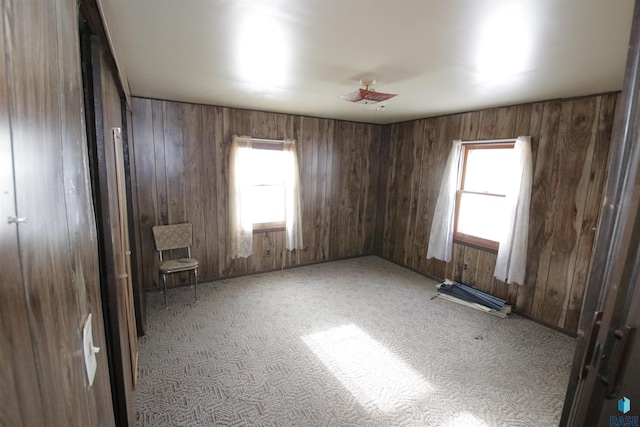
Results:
<point x="20" y="399"/>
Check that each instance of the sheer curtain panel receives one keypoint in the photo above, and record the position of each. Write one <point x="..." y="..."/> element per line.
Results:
<point x="240" y="221"/>
<point x="293" y="206"/>
<point x="441" y="237"/>
<point x="512" y="253"/>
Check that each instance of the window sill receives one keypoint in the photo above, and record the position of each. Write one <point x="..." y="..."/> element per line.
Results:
<point x="268" y="227"/>
<point x="476" y="246"/>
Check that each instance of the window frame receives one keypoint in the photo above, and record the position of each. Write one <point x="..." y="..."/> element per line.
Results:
<point x="264" y="227"/>
<point x="468" y="239"/>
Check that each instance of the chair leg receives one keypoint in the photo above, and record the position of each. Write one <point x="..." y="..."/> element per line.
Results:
<point x="164" y="284"/>
<point x="195" y="277"/>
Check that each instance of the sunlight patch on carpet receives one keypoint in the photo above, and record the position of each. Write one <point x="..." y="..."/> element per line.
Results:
<point x="365" y="367"/>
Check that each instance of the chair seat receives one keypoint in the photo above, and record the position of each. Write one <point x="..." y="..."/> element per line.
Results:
<point x="174" y="265"/>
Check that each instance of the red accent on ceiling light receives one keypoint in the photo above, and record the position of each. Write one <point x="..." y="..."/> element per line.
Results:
<point x="364" y="96"/>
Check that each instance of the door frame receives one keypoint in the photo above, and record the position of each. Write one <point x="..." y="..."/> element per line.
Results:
<point x="93" y="52"/>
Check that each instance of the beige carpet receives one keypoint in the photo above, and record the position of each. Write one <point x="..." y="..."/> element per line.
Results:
<point x="358" y="342"/>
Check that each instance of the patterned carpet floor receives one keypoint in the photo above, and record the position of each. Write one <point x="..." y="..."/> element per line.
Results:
<point x="358" y="342"/>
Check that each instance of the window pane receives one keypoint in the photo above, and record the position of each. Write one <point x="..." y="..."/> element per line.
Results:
<point x="481" y="216"/>
<point x="487" y="170"/>
<point x="267" y="167"/>
<point x="267" y="203"/>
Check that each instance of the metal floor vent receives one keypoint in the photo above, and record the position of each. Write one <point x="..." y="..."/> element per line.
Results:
<point x="471" y="297"/>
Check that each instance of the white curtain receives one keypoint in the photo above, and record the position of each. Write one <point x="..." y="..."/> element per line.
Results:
<point x="512" y="253"/>
<point x="441" y="237"/>
<point x="293" y="204"/>
<point x="240" y="221"/>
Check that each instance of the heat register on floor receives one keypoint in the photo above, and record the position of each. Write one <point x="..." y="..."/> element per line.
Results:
<point x="471" y="297"/>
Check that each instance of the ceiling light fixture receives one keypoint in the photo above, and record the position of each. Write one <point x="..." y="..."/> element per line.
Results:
<point x="367" y="96"/>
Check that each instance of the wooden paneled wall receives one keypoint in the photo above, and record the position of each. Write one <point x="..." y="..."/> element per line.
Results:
<point x="181" y="154"/>
<point x="51" y="283"/>
<point x="570" y="141"/>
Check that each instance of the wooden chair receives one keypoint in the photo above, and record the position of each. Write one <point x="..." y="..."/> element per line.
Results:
<point x="176" y="236"/>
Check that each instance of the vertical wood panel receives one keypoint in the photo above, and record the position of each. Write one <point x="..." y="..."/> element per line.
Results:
<point x="158" y="154"/>
<point x="174" y="162"/>
<point x="572" y="193"/>
<point x="597" y="175"/>
<point x="194" y="198"/>
<point x="319" y="201"/>
<point x="546" y="292"/>
<point x="372" y="187"/>
<point x="336" y="153"/>
<point x="388" y="241"/>
<point x="307" y="149"/>
<point x="327" y="132"/>
<point x="361" y="174"/>
<point x="542" y="147"/>
<point x="426" y="134"/>
<point x="343" y="235"/>
<point x="20" y="398"/>
<point x="413" y="195"/>
<point x="143" y="154"/>
<point x="213" y="182"/>
<point x="39" y="143"/>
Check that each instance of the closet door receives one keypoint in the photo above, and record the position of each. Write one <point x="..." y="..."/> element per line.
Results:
<point x="110" y="200"/>
<point x="20" y="399"/>
<point x="48" y="254"/>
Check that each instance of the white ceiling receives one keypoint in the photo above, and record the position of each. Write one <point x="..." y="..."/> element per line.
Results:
<point x="299" y="56"/>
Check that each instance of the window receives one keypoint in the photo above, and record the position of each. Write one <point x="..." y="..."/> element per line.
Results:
<point x="267" y="166"/>
<point x="264" y="193"/>
<point x="484" y="199"/>
<point x="481" y="212"/>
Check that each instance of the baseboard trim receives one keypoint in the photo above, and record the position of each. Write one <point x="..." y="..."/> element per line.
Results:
<point x="252" y="273"/>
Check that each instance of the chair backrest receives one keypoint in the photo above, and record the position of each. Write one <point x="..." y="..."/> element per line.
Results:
<point x="173" y="236"/>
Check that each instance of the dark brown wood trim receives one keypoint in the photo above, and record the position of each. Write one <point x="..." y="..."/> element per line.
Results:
<point x="476" y="243"/>
<point x="90" y="11"/>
